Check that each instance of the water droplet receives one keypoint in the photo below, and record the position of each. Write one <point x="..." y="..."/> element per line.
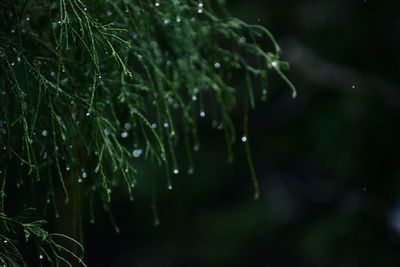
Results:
<point x="137" y="153"/>
<point x="176" y="171"/>
<point x="154" y="126"/>
<point x="45" y="133"/>
<point x="107" y="132"/>
<point x="27" y="235"/>
<point x="127" y="126"/>
<point x="41" y="256"/>
<point x="169" y="187"/>
<point x="157" y="4"/>
<point x="244" y="139"/>
<point x="264" y="95"/>
<point x="166" y="125"/>
<point x="217" y="65"/>
<point x="196" y="148"/>
<point x="124" y="135"/>
<point x="202" y="114"/>
<point x="274" y="64"/>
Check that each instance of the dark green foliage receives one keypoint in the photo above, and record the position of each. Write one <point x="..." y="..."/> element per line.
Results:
<point x="103" y="83"/>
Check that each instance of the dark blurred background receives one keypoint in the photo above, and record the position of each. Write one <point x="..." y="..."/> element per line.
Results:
<point x="328" y="162"/>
